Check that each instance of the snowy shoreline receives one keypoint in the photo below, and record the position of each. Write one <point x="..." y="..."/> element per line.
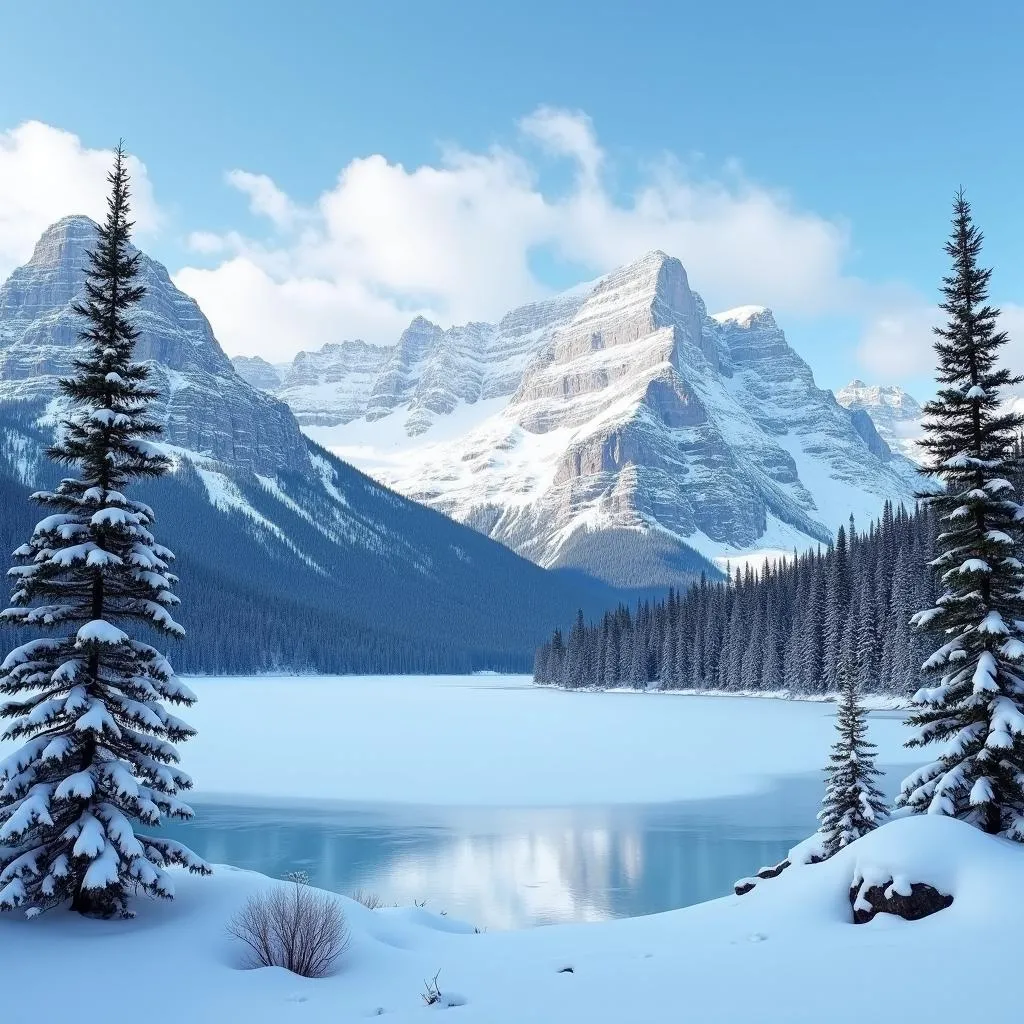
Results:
<point x="870" y="701"/>
<point x="778" y="955"/>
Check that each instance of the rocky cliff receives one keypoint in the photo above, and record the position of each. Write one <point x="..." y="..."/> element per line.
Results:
<point x="205" y="406"/>
<point x="620" y="426"/>
<point x="895" y="414"/>
<point x="278" y="538"/>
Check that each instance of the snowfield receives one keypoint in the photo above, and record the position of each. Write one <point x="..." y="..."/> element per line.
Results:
<point x="786" y="953"/>
<point x="496" y="740"/>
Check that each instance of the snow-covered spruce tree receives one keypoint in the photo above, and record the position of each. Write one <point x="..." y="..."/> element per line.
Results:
<point x="853" y="804"/>
<point x="88" y="705"/>
<point x="977" y="709"/>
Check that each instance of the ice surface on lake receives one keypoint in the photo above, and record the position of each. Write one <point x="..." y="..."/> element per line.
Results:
<point x="499" y="741"/>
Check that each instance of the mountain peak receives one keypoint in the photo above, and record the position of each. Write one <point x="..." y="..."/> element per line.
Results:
<point x="653" y="292"/>
<point x="876" y="394"/>
<point x="76" y="230"/>
<point x="895" y="414"/>
<point x="744" y="316"/>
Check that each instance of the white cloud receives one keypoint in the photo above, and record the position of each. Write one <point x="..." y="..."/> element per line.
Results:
<point x="46" y="174"/>
<point x="265" y="197"/>
<point x="897" y="342"/>
<point x="455" y="239"/>
<point x="568" y="134"/>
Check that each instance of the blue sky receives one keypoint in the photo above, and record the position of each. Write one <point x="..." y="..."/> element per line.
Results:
<point x="820" y="139"/>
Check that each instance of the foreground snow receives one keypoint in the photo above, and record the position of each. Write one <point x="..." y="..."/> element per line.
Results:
<point x="498" y="741"/>
<point x="787" y="952"/>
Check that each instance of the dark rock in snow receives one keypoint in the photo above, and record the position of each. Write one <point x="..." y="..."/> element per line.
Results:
<point x="744" y="885"/>
<point x="921" y="901"/>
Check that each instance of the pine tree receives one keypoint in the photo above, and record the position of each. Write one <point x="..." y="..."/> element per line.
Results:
<point x="556" y="660"/>
<point x="853" y="804"/>
<point x="576" y="668"/>
<point x="977" y="709"/>
<point x="838" y="611"/>
<point x="97" y="749"/>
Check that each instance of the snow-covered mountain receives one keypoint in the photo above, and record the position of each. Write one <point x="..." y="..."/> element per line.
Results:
<point x="617" y="427"/>
<point x="206" y="407"/>
<point x="895" y="414"/>
<point x="279" y="528"/>
<point x="259" y="373"/>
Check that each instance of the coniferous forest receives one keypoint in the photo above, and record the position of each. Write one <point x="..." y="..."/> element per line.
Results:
<point x="786" y="626"/>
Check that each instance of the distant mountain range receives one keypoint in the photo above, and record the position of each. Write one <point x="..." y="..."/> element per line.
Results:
<point x="896" y="415"/>
<point x="617" y="428"/>
<point x="289" y="557"/>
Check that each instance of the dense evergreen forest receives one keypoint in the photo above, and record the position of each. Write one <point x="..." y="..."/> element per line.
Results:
<point x="249" y="605"/>
<point x="787" y="626"/>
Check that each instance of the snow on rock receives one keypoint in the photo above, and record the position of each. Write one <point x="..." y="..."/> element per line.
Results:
<point x="781" y="955"/>
<point x="204" y="405"/>
<point x="741" y="315"/>
<point x="617" y="427"/>
<point x="896" y="415"/>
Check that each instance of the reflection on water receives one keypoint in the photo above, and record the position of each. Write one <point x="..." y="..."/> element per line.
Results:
<point x="517" y="867"/>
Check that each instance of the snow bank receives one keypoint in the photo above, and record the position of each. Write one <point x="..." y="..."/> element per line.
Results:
<point x="783" y="953"/>
<point x="499" y="741"/>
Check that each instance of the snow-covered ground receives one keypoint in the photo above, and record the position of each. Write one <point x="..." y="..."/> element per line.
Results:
<point x="498" y="740"/>
<point x="785" y="953"/>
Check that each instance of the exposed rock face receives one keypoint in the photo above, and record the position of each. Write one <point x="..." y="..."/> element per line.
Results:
<point x="425" y="376"/>
<point x="266" y="519"/>
<point x="895" y="414"/>
<point x="205" y="406"/>
<point x="626" y="424"/>
<point x="333" y="386"/>
<point x="911" y="902"/>
<point x="257" y="372"/>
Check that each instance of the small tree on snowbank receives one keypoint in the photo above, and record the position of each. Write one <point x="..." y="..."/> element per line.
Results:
<point x="853" y="804"/>
<point x="97" y="739"/>
<point x="977" y="709"/>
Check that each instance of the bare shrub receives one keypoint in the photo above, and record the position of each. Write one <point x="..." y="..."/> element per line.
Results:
<point x="369" y="899"/>
<point x="295" y="927"/>
<point x="431" y="993"/>
<point x="433" y="996"/>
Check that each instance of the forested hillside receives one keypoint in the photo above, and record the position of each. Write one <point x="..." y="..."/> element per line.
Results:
<point x="785" y="627"/>
<point x="344" y="604"/>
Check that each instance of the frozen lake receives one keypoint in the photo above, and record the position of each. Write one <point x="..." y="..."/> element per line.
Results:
<point x="502" y="803"/>
<point x="498" y="741"/>
<point x="510" y="868"/>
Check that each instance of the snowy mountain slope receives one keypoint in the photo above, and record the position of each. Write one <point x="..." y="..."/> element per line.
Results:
<point x="260" y="496"/>
<point x="206" y="407"/>
<point x="636" y="432"/>
<point x="425" y="375"/>
<point x="258" y="372"/>
<point x="895" y="414"/>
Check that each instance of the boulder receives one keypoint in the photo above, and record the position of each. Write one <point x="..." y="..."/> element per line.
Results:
<point x="911" y="902"/>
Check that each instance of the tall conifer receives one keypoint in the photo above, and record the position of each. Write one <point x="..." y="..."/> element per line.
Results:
<point x="89" y="703"/>
<point x="976" y="710"/>
<point x="853" y="804"/>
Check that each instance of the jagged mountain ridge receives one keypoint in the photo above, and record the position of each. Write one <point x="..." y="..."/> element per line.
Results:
<point x="428" y="372"/>
<point x="205" y="406"/>
<point x="896" y="414"/>
<point x="624" y="427"/>
<point x="282" y="526"/>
